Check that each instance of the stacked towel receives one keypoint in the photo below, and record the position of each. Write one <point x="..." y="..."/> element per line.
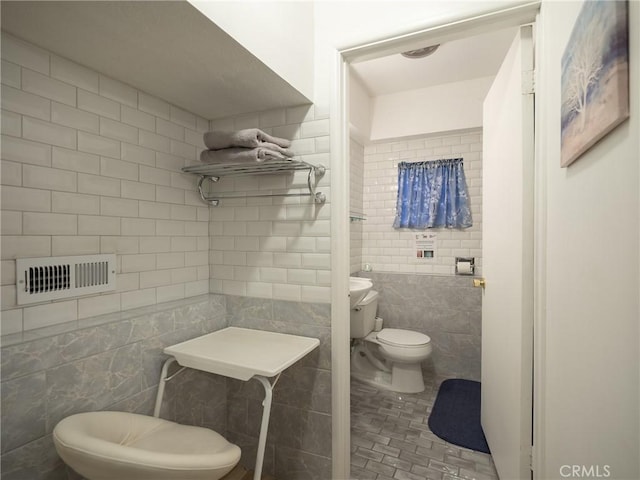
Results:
<point x="240" y="155"/>
<point x="251" y="137"/>
<point x="242" y="146"/>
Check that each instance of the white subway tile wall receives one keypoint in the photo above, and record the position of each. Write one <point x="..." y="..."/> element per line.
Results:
<point x="393" y="250"/>
<point x="91" y="165"/>
<point x="275" y="247"/>
<point x="356" y="207"/>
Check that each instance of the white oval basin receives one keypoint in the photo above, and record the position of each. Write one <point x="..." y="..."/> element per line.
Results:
<point x="358" y="289"/>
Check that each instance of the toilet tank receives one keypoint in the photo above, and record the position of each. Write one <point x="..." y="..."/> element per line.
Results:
<point x="363" y="316"/>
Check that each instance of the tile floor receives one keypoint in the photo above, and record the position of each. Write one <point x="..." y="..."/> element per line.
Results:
<point x="390" y="439"/>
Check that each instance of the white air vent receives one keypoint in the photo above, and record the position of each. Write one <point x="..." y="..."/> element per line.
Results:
<point x="44" y="279"/>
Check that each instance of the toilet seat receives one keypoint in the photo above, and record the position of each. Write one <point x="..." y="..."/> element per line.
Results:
<point x="396" y="337"/>
<point x="128" y="446"/>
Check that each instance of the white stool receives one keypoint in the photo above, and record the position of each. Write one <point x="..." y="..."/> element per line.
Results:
<point x="128" y="446"/>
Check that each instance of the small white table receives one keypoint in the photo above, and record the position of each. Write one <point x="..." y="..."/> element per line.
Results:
<point x="243" y="354"/>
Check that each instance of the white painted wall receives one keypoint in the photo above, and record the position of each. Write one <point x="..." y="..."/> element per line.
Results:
<point x="359" y="111"/>
<point x="375" y="20"/>
<point x="591" y="398"/>
<point x="441" y="108"/>
<point x="387" y="18"/>
<point x="279" y="33"/>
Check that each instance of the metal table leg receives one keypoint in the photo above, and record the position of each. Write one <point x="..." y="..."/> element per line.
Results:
<point x="266" y="409"/>
<point x="161" y="384"/>
<point x="266" y="412"/>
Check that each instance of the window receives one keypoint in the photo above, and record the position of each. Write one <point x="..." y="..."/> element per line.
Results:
<point x="432" y="194"/>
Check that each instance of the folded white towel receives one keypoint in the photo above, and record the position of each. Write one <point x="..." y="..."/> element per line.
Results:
<point x="240" y="155"/>
<point x="250" y="138"/>
<point x="272" y="146"/>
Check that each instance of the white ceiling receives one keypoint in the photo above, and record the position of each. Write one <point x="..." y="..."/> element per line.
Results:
<point x="164" y="48"/>
<point x="455" y="61"/>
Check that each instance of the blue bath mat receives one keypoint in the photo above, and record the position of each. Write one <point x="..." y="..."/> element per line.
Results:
<point x="455" y="417"/>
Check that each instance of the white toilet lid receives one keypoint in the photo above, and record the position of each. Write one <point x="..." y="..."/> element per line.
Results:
<point x="407" y="338"/>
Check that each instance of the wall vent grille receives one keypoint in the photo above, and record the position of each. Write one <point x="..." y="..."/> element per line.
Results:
<point x="44" y="279"/>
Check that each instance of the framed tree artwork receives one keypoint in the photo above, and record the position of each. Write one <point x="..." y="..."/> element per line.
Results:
<point x="595" y="77"/>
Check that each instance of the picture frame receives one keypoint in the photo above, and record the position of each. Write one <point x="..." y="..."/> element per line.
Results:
<point x="595" y="77"/>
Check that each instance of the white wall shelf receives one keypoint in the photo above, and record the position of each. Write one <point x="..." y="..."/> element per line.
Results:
<point x="240" y="353"/>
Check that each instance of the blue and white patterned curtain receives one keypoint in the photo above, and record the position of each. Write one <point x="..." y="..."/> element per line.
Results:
<point x="432" y="194"/>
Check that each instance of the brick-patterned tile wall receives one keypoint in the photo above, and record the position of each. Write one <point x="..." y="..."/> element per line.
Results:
<point x="275" y="247"/>
<point x="356" y="209"/>
<point x="91" y="165"/>
<point x="392" y="250"/>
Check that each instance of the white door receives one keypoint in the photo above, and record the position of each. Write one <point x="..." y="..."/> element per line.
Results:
<point x="507" y="305"/>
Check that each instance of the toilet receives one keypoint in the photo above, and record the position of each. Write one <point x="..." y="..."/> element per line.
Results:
<point x="388" y="359"/>
<point x="127" y="446"/>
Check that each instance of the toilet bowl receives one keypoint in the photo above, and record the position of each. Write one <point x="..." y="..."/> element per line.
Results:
<point x="128" y="446"/>
<point x="388" y="359"/>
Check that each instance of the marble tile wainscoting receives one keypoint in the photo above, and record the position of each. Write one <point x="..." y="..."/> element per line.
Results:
<point x="113" y="362"/>
<point x="299" y="440"/>
<point x="110" y="362"/>
<point x="447" y="308"/>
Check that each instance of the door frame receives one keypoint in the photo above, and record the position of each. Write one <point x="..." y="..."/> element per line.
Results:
<point x="430" y="33"/>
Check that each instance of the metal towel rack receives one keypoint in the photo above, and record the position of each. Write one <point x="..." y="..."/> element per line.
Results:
<point x="213" y="173"/>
